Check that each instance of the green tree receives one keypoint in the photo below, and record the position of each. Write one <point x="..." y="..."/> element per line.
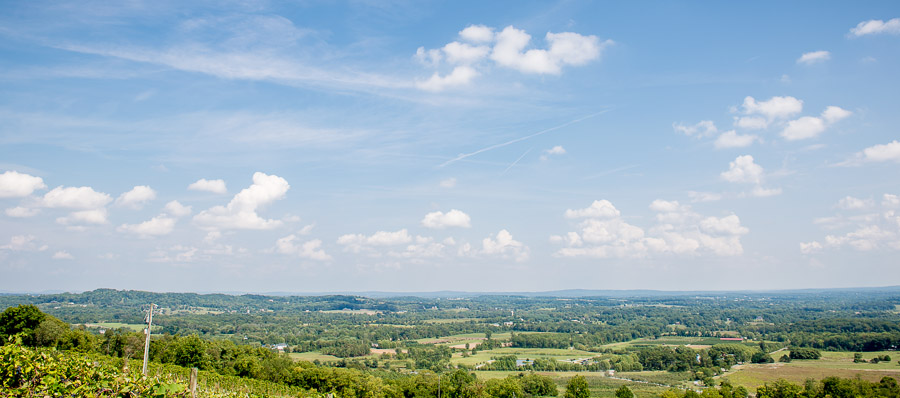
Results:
<point x="624" y="392"/>
<point x="577" y="387"/>
<point x="539" y="385"/>
<point x="22" y="319"/>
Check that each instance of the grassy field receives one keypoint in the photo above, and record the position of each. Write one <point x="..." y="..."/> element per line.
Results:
<point x="521" y="353"/>
<point x="312" y="356"/>
<point x="672" y="340"/>
<point x="137" y="327"/>
<point x="838" y="364"/>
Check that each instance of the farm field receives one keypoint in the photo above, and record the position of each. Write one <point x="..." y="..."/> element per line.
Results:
<point x="137" y="327"/>
<point x="673" y="341"/>
<point x="838" y="364"/>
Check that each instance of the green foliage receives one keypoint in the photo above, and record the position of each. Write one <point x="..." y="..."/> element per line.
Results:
<point x="577" y="387"/>
<point x="507" y="387"/>
<point x="624" y="392"/>
<point x="23" y="319"/>
<point x="538" y="385"/>
<point x="805" y="353"/>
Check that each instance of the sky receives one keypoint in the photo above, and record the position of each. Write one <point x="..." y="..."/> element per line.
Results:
<point x="409" y="146"/>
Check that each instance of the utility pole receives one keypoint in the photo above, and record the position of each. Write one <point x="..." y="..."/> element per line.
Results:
<point x="147" y="342"/>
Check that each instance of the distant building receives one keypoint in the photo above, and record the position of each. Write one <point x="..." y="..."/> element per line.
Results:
<point x="279" y="347"/>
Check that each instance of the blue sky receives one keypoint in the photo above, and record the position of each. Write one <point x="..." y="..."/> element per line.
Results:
<point x="413" y="146"/>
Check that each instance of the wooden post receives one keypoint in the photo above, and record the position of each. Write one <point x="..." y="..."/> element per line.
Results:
<point x="193" y="382"/>
<point x="147" y="342"/>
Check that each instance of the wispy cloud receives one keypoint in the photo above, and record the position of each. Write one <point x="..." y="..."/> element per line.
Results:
<point x="520" y="139"/>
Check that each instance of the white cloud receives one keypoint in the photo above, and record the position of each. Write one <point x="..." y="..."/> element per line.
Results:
<point x="75" y="198"/>
<point x="751" y="122"/>
<point x="810" y="247"/>
<point x="175" y="254"/>
<point x="452" y="218"/>
<point x="876" y="26"/>
<point x="136" y="197"/>
<point x="761" y="192"/>
<point x="22" y="212"/>
<point x="429" y="57"/>
<point x="448" y="183"/>
<point x="214" y="186"/>
<point x="18" y="185"/>
<point x="240" y="213"/>
<point x="505" y="246"/>
<point x="93" y="216"/>
<point x="555" y="151"/>
<point x="863" y="232"/>
<point x="704" y="196"/>
<point x="743" y="169"/>
<point x="814" y="57"/>
<point x="679" y="230"/>
<point x="851" y="203"/>
<point x="358" y="242"/>
<point x="156" y="226"/>
<point x="598" y="209"/>
<point x="176" y="209"/>
<point x="773" y="108"/>
<point x="731" y="139"/>
<point x="311" y="249"/>
<point x="833" y="114"/>
<point x="882" y="152"/>
<point x="477" y="34"/>
<point x="20" y="243"/>
<point x="803" y="128"/>
<point x="62" y="255"/>
<point x="704" y="128"/>
<point x="462" y="53"/>
<point x="480" y="45"/>
<point x="566" y="48"/>
<point x="460" y="76"/>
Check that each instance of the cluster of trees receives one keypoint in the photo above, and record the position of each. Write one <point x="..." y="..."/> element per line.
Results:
<point x="833" y="387"/>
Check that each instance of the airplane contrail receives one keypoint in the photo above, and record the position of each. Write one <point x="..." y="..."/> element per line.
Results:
<point x="465" y="155"/>
<point x="514" y="163"/>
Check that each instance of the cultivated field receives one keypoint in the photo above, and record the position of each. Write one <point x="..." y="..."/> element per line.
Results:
<point x="838" y="364"/>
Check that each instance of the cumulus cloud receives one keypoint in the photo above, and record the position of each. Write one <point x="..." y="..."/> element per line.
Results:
<point x="555" y="151"/>
<point x="704" y="128"/>
<point x="310" y="249"/>
<point x="460" y="76"/>
<point x="176" y="209"/>
<point x="22" y="212"/>
<point x="23" y="243"/>
<point x="502" y="244"/>
<point x="809" y="126"/>
<point x="751" y="122"/>
<point x="743" y="169"/>
<point x="803" y="128"/>
<point x="773" y="108"/>
<point x="62" y="255"/>
<point x="156" y="226"/>
<point x="241" y="211"/>
<point x="851" y="203"/>
<point x="452" y="218"/>
<point x="876" y="26"/>
<point x="136" y="197"/>
<point x="214" y="186"/>
<point x="881" y="152"/>
<point x="448" y="183"/>
<point x="679" y="230"/>
<point x="175" y="254"/>
<point x="75" y="198"/>
<point x="598" y="209"/>
<point x="480" y="45"/>
<point x="833" y="114"/>
<point x="18" y="185"/>
<point x="814" y="57"/>
<point x="865" y="226"/>
<point x="358" y="242"/>
<point x="93" y="216"/>
<point x="477" y="34"/>
<point x="731" y="139"/>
